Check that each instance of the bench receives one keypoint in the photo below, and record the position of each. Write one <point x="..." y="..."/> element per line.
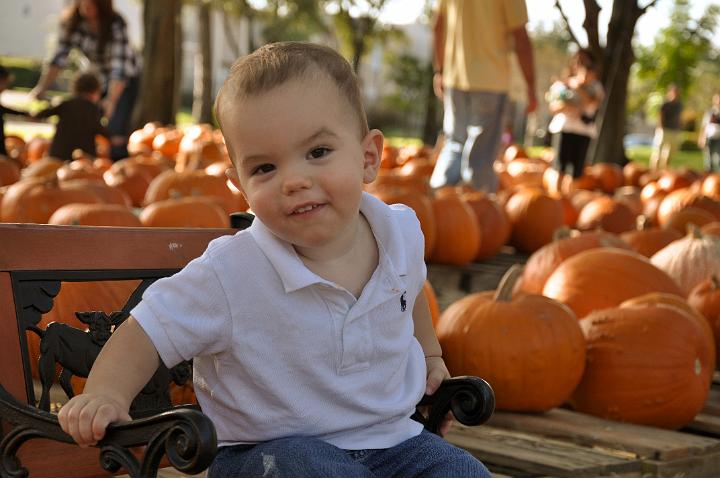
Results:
<point x="93" y="276"/>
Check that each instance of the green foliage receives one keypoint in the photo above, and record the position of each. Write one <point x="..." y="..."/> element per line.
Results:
<point x="683" y="52"/>
<point x="412" y="78"/>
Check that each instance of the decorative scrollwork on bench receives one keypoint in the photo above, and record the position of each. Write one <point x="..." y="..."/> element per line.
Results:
<point x="471" y="400"/>
<point x="184" y="434"/>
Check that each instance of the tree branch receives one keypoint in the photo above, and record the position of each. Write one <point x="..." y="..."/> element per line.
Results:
<point x="567" y="23"/>
<point x="651" y="4"/>
<point x="590" y="24"/>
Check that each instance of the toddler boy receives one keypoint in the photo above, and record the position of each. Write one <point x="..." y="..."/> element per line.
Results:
<point x="311" y="337"/>
<point x="78" y="118"/>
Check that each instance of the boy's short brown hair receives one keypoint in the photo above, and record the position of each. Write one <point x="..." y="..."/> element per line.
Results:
<point x="85" y="82"/>
<point x="276" y="63"/>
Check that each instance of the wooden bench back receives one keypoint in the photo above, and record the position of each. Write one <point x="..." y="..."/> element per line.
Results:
<point x="38" y="261"/>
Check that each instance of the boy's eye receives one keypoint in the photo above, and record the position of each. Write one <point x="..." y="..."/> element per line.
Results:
<point x="319" y="152"/>
<point x="263" y="169"/>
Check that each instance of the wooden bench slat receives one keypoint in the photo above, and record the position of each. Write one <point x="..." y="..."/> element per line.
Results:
<point x="11" y="365"/>
<point x="43" y="247"/>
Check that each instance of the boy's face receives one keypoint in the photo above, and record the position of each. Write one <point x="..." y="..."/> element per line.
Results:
<point x="300" y="161"/>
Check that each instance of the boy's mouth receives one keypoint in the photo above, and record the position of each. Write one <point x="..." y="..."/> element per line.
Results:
<point x="305" y="208"/>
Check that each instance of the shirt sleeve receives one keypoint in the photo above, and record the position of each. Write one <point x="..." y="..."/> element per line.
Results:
<point x="48" y="112"/>
<point x="119" y="50"/>
<point x="516" y="14"/>
<point x="66" y="42"/>
<point x="186" y="315"/>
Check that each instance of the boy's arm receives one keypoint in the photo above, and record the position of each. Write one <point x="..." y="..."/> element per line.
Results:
<point x="124" y="366"/>
<point x="425" y="334"/>
<point x="47" y="112"/>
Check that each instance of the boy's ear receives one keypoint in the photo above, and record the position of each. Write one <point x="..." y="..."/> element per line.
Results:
<point x="372" y="154"/>
<point x="232" y="175"/>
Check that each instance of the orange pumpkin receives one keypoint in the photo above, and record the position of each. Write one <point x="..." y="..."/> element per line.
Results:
<point x="95" y="215"/>
<point x="171" y="184"/>
<point x="649" y="365"/>
<point x="35" y="200"/>
<point x="493" y="221"/>
<point x="705" y="298"/>
<point x="9" y="172"/>
<point x="609" y="176"/>
<point x="543" y="262"/>
<point x="683" y="198"/>
<point x="458" y="235"/>
<point x="608" y="214"/>
<point x="681" y="219"/>
<point x="604" y="277"/>
<point x="632" y="172"/>
<point x="648" y="241"/>
<point x="527" y="343"/>
<point x="191" y="211"/>
<point x="432" y="302"/>
<point x="534" y="216"/>
<point x="419" y="203"/>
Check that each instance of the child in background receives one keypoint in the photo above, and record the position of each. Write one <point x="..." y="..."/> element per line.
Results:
<point x="574" y="102"/>
<point x="79" y="118"/>
<point x="310" y="333"/>
<point x="5" y="81"/>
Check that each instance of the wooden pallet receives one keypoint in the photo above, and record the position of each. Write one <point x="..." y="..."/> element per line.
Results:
<point x="563" y="443"/>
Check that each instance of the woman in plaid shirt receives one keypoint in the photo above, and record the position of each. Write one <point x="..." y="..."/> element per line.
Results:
<point x="95" y="29"/>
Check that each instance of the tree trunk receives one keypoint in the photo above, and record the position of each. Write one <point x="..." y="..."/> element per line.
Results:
<point x="159" y="84"/>
<point x="430" y="125"/>
<point x="202" y="84"/>
<point x="618" y="59"/>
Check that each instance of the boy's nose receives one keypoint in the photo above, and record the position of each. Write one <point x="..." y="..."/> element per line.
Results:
<point x="296" y="182"/>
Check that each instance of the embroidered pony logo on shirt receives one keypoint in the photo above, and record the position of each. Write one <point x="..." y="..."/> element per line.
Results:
<point x="403" y="302"/>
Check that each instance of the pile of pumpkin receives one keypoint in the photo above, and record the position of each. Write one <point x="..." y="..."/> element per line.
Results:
<point x="593" y="323"/>
<point x="174" y="178"/>
<point x="619" y="318"/>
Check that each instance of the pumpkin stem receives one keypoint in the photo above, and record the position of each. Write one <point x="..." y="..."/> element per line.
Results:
<point x="641" y="222"/>
<point x="562" y="232"/>
<point x="507" y="283"/>
<point x="714" y="282"/>
<point x="694" y="231"/>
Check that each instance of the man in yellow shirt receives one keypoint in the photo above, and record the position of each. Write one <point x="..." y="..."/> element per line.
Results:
<point x="472" y="43"/>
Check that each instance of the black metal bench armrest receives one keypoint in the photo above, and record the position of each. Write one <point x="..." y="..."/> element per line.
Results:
<point x="185" y="434"/>
<point x="471" y="400"/>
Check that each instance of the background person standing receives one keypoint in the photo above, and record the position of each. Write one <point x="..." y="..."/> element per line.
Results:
<point x="709" y="139"/>
<point x="100" y="33"/>
<point x="472" y="42"/>
<point x="667" y="133"/>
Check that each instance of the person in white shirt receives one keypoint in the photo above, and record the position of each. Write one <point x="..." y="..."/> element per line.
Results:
<point x="310" y="333"/>
<point x="709" y="138"/>
<point x="574" y="102"/>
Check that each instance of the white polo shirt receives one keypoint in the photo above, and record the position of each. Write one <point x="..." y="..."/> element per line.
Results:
<point x="279" y="351"/>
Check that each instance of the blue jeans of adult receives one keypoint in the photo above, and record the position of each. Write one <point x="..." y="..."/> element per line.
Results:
<point x="473" y="124"/>
<point x="712" y="155"/>
<point x="119" y="124"/>
<point x="425" y="455"/>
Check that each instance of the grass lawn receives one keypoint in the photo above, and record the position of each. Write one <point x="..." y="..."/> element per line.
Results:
<point x="641" y="154"/>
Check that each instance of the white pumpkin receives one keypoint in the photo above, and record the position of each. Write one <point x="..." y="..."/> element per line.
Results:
<point x="690" y="260"/>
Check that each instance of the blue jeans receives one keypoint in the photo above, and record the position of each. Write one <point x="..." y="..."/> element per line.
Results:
<point x="119" y="124"/>
<point x="473" y="123"/>
<point x="426" y="455"/>
<point x="712" y="155"/>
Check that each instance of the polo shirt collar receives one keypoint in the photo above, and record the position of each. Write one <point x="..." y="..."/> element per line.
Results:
<point x="295" y="275"/>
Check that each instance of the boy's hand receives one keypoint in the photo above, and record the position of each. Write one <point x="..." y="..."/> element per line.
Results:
<point x="85" y="417"/>
<point x="436" y="373"/>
